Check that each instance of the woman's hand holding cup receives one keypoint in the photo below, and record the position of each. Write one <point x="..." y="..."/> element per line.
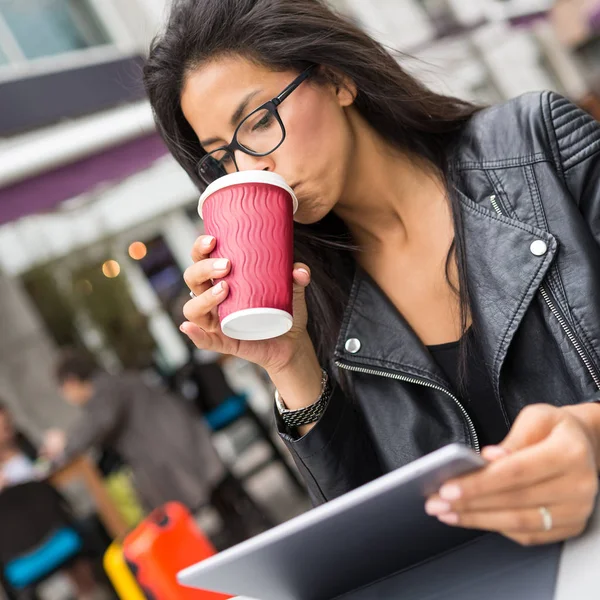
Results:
<point x="205" y="280"/>
<point x="250" y="299"/>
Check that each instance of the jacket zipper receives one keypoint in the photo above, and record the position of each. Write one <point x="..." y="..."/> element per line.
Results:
<point x="560" y="318"/>
<point x="423" y="382"/>
<point x="570" y="335"/>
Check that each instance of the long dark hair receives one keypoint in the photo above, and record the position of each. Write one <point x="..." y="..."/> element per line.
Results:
<point x="291" y="35"/>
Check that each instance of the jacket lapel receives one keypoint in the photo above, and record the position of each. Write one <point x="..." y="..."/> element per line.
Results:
<point x="383" y="337"/>
<point x="504" y="274"/>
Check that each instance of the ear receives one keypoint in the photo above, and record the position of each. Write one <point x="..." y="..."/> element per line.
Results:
<point x="346" y="92"/>
<point x="344" y="88"/>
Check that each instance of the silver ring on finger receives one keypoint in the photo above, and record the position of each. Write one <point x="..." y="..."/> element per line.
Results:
<point x="192" y="295"/>
<point x="546" y="518"/>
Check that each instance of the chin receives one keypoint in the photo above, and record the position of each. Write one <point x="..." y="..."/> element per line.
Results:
<point x="311" y="210"/>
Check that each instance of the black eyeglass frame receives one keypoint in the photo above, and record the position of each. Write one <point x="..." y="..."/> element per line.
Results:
<point x="271" y="106"/>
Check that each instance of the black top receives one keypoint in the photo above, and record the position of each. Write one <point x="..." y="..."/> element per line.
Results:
<point x="477" y="395"/>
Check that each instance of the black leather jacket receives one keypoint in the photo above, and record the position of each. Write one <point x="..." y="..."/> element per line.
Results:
<point x="527" y="174"/>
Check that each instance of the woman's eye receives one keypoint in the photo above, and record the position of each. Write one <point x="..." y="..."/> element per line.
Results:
<point x="226" y="159"/>
<point x="264" y="122"/>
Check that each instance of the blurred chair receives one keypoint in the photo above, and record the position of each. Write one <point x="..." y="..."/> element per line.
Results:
<point x="121" y="577"/>
<point x="37" y="537"/>
<point x="206" y="386"/>
<point x="230" y="412"/>
<point x="165" y="542"/>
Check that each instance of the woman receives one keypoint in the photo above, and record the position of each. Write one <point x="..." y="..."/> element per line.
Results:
<point x="448" y="253"/>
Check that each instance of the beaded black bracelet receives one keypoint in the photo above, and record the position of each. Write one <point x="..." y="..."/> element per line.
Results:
<point x="309" y="414"/>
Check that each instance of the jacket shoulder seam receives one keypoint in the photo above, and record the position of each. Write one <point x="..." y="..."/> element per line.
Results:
<point x="546" y="111"/>
<point x="583" y="138"/>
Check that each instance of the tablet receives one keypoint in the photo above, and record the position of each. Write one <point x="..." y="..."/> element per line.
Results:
<point x="362" y="536"/>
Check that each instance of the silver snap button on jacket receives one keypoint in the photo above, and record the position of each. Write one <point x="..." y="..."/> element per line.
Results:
<point x="353" y="345"/>
<point x="538" y="248"/>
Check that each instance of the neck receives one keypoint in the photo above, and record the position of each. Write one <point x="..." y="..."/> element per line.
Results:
<point x="390" y="197"/>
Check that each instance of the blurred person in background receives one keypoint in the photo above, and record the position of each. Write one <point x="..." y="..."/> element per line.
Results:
<point x="167" y="446"/>
<point x="16" y="468"/>
<point x="449" y="262"/>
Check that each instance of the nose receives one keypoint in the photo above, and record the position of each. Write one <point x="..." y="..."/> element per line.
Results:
<point x="245" y="162"/>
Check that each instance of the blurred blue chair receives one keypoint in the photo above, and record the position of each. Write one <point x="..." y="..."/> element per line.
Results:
<point x="229" y="411"/>
<point x="42" y="561"/>
<point x="37" y="538"/>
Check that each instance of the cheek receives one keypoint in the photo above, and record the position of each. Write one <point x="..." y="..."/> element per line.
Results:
<point x="315" y="154"/>
<point x="314" y="126"/>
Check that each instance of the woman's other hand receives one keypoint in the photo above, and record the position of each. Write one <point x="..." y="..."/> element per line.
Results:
<point x="541" y="482"/>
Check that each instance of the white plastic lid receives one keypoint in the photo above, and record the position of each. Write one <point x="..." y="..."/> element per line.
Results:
<point x="254" y="324"/>
<point x="246" y="177"/>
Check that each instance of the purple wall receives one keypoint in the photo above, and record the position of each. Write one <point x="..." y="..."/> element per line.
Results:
<point x="68" y="94"/>
<point x="44" y="192"/>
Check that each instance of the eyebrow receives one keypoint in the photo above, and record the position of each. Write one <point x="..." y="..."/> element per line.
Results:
<point x="235" y="119"/>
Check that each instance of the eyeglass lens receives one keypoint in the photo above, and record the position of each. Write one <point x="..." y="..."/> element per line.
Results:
<point x="260" y="133"/>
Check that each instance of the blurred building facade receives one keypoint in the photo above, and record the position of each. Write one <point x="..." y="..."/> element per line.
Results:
<point x="97" y="220"/>
<point x="83" y="174"/>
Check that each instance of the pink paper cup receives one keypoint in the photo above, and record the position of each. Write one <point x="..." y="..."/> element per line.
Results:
<point x="251" y="215"/>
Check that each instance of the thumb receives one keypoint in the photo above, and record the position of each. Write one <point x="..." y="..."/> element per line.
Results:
<point x="301" y="275"/>
<point x="533" y="425"/>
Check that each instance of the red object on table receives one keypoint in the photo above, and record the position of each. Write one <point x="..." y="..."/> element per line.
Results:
<point x="164" y="543"/>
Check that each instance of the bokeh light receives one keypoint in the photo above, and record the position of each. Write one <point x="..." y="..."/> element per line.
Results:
<point x="111" y="269"/>
<point x="137" y="250"/>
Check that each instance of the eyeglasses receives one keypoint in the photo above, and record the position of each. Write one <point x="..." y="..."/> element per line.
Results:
<point x="259" y="134"/>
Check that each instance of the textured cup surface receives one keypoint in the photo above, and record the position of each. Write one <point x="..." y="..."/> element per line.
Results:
<point x="253" y="225"/>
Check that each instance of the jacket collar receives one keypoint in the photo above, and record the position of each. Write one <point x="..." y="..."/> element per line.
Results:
<point x="504" y="274"/>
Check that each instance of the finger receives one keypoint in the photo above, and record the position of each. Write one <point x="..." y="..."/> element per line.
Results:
<point x="525" y="468"/>
<point x="570" y="489"/>
<point x="199" y="276"/>
<point x="493" y="453"/>
<point x="202" y="310"/>
<point x="202" y="247"/>
<point x="213" y="341"/>
<point x="528" y="520"/>
<point x="558" y="534"/>
<point x="301" y="275"/>
<point x="532" y="425"/>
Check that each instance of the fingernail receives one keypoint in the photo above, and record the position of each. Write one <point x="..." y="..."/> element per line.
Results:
<point x="217" y="289"/>
<point x="493" y="452"/>
<point x="207" y="241"/>
<point x="436" y="507"/>
<point x="449" y="518"/>
<point x="221" y="264"/>
<point x="304" y="271"/>
<point x="450" y="492"/>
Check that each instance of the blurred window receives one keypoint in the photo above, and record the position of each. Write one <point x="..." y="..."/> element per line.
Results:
<point x="50" y="27"/>
<point x="3" y="59"/>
